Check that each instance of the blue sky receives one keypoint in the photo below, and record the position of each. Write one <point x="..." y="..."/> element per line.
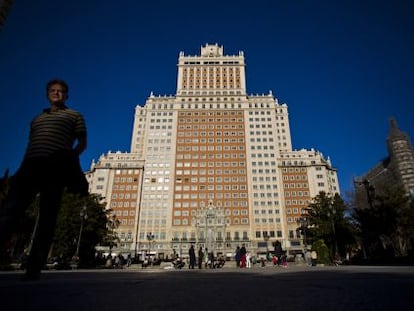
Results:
<point x="343" y="67"/>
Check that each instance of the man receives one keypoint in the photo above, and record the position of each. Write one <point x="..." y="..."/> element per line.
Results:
<point x="50" y="164"/>
<point x="237" y="256"/>
<point x="200" y="257"/>
<point x="243" y="252"/>
<point x="191" y="253"/>
<point x="278" y="252"/>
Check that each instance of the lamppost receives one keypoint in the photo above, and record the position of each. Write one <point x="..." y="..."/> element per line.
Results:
<point x="369" y="188"/>
<point x="150" y="238"/>
<point x="182" y="240"/>
<point x="83" y="216"/>
<point x="331" y="216"/>
<point x="367" y="183"/>
<point x="266" y="239"/>
<point x="29" y="249"/>
<point x="113" y="224"/>
<point x="303" y="223"/>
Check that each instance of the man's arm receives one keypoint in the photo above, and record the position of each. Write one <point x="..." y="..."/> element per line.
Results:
<point x="81" y="145"/>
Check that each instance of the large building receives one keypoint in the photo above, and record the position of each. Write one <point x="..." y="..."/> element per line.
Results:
<point x="396" y="169"/>
<point x="210" y="166"/>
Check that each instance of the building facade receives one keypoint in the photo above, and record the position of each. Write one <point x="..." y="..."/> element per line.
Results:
<point x="396" y="169"/>
<point x="211" y="166"/>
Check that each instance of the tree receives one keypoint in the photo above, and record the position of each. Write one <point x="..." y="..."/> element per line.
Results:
<point x="322" y="251"/>
<point x="111" y="238"/>
<point x="74" y="211"/>
<point x="386" y="225"/>
<point x="67" y="230"/>
<point x="326" y="221"/>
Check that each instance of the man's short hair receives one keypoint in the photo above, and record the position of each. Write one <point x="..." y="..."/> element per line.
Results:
<point x="57" y="81"/>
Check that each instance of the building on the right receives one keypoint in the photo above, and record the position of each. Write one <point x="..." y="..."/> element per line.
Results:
<point x="396" y="170"/>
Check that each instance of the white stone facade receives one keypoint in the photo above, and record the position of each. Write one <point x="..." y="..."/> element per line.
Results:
<point x="213" y="145"/>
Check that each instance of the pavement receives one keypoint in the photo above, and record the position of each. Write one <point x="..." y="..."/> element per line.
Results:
<point x="297" y="287"/>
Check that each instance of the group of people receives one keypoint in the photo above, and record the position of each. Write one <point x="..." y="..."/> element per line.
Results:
<point x="279" y="258"/>
<point x="242" y="257"/>
<point x="109" y="262"/>
<point x="206" y="257"/>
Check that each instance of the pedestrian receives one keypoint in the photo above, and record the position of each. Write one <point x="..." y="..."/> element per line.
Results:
<point x="243" y="256"/>
<point x="207" y="258"/>
<point x="192" y="255"/>
<point x="117" y="261"/>
<point x="200" y="257"/>
<point x="129" y="260"/>
<point x="278" y="252"/>
<point x="211" y="260"/>
<point x="248" y="262"/>
<point x="308" y="258"/>
<point x="314" y="258"/>
<point x="121" y="261"/>
<point x="108" y="262"/>
<point x="284" y="262"/>
<point x="274" y="260"/>
<point x="237" y="256"/>
<point x="50" y="164"/>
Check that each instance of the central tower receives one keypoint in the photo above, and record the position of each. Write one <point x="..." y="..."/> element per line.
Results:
<point x="211" y="71"/>
<point x="210" y="159"/>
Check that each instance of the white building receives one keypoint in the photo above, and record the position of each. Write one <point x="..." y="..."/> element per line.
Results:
<point x="211" y="165"/>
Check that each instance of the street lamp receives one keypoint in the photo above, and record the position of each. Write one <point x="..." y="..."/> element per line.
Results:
<point x="83" y="216"/>
<point x="29" y="249"/>
<point x="113" y="224"/>
<point x="370" y="190"/>
<point x="331" y="216"/>
<point x="266" y="239"/>
<point x="150" y="238"/>
<point x="303" y="223"/>
<point x="368" y="184"/>
<point x="182" y="240"/>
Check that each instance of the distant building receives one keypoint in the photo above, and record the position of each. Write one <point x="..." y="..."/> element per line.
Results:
<point x="397" y="169"/>
<point x="210" y="165"/>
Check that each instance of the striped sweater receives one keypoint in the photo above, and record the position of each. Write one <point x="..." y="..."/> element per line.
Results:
<point x="53" y="131"/>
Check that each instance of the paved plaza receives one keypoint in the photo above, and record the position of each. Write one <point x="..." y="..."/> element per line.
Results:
<point x="270" y="288"/>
